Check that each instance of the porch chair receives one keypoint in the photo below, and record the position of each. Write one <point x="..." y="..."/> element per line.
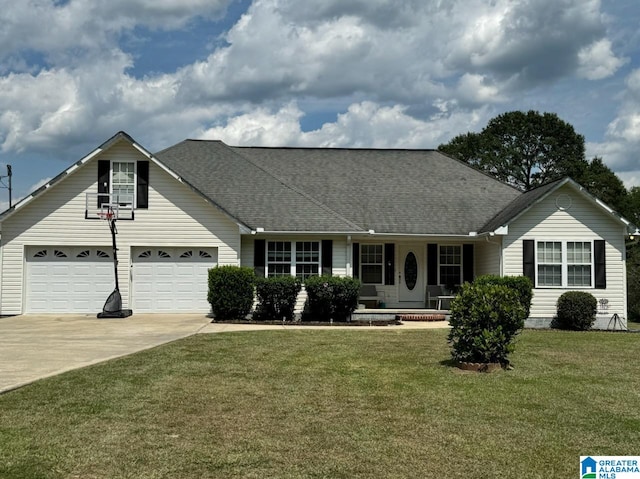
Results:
<point x="368" y="295"/>
<point x="433" y="291"/>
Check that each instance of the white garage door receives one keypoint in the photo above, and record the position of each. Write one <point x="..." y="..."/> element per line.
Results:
<point x="68" y="280"/>
<point x="171" y="279"/>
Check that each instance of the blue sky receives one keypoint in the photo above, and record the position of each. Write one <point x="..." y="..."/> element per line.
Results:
<point x="342" y="73"/>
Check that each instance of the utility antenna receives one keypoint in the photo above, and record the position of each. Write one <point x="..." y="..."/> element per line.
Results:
<point x="8" y="184"/>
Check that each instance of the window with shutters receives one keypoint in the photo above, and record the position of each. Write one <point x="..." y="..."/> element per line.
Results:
<point x="296" y="258"/>
<point x="450" y="262"/>
<point x="371" y="263"/>
<point x="123" y="183"/>
<point x="564" y="264"/>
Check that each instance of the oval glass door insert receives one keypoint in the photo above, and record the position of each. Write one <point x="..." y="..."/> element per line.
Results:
<point x="410" y="271"/>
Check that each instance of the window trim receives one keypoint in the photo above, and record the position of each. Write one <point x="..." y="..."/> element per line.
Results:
<point x="460" y="265"/>
<point x="362" y="263"/>
<point x="564" y="279"/>
<point x="134" y="195"/>
<point x="293" y="262"/>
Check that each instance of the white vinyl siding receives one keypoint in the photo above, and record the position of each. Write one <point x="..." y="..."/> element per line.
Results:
<point x="584" y="221"/>
<point x="487" y="257"/>
<point x="176" y="217"/>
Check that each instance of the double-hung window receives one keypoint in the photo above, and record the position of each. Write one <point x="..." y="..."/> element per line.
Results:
<point x="123" y="182"/>
<point x="564" y="264"/>
<point x="300" y="258"/>
<point x="371" y="263"/>
<point x="450" y="265"/>
<point x="579" y="263"/>
<point x="307" y="259"/>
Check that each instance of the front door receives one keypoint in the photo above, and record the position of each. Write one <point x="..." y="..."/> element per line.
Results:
<point x="411" y="274"/>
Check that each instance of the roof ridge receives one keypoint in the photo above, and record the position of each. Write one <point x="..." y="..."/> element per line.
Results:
<point x="294" y="189"/>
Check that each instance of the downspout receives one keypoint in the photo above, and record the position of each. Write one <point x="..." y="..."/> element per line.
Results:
<point x="348" y="266"/>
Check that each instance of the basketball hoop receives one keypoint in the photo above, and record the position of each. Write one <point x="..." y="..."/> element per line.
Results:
<point x="106" y="215"/>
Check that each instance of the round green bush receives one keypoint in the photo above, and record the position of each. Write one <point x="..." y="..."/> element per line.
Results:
<point x="276" y="298"/>
<point x="330" y="298"/>
<point x="521" y="284"/>
<point x="231" y="291"/>
<point x="576" y="310"/>
<point x="485" y="319"/>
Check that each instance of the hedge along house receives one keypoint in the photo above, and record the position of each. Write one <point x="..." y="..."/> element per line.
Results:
<point x="400" y="220"/>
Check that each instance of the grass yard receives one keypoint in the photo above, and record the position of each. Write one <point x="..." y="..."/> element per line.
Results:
<point x="335" y="404"/>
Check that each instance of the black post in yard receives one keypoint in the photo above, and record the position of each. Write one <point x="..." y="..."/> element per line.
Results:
<point x="113" y="306"/>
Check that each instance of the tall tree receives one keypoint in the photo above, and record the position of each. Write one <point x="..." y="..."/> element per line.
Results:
<point x="633" y="208"/>
<point x="525" y="150"/>
<point x="602" y="182"/>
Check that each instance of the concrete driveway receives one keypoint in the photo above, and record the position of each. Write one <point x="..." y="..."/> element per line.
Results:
<point x="37" y="346"/>
<point x="33" y="347"/>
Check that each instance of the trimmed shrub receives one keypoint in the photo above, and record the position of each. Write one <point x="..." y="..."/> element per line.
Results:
<point x="331" y="298"/>
<point x="485" y="319"/>
<point x="576" y="310"/>
<point x="231" y="291"/>
<point x="520" y="284"/>
<point x="276" y="298"/>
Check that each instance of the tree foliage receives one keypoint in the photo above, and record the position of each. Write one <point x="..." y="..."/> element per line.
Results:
<point x="603" y="183"/>
<point x="525" y="150"/>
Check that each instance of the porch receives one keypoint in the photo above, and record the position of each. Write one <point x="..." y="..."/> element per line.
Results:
<point x="402" y="314"/>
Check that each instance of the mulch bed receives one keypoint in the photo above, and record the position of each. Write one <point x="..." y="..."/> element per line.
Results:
<point x="421" y="317"/>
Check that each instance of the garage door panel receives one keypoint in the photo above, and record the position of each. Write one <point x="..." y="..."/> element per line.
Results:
<point x="173" y="283"/>
<point x="71" y="282"/>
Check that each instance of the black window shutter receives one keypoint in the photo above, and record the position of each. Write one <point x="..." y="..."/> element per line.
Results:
<point x="600" y="264"/>
<point x="467" y="263"/>
<point x="259" y="258"/>
<point x="104" y="175"/>
<point x="142" y="187"/>
<point x="432" y="264"/>
<point x="327" y="257"/>
<point x="356" y="260"/>
<point x="528" y="260"/>
<point x="390" y="263"/>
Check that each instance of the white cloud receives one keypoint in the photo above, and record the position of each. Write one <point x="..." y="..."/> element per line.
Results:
<point x="621" y="146"/>
<point x="597" y="60"/>
<point x="365" y="124"/>
<point x="44" y="26"/>
<point x="402" y="74"/>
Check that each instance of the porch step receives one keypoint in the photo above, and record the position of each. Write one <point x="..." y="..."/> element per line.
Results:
<point x="421" y="317"/>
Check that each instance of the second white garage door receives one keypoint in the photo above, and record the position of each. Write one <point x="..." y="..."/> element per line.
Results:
<point x="171" y="280"/>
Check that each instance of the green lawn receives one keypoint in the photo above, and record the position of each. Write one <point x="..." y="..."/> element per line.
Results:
<point x="344" y="404"/>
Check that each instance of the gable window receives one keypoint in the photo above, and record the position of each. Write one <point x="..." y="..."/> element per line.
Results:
<point x="450" y="265"/>
<point x="300" y="258"/>
<point x="123" y="182"/>
<point x="371" y="263"/>
<point x="564" y="264"/>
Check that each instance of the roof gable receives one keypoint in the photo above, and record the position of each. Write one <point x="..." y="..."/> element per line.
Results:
<point x="532" y="197"/>
<point x="118" y="137"/>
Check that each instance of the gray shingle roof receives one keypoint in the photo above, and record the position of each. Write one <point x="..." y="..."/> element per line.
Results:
<point x="521" y="203"/>
<point x="326" y="189"/>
